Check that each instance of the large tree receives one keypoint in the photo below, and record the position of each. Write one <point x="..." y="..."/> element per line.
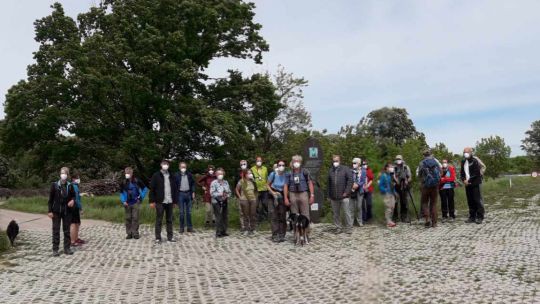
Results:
<point x="389" y="124"/>
<point x="531" y="143"/>
<point x="494" y="152"/>
<point x="126" y="84"/>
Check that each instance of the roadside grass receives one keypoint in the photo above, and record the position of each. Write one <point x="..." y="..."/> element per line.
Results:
<point x="4" y="241"/>
<point x="108" y="208"/>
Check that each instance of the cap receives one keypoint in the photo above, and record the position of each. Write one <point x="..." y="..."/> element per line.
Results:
<point x="399" y="157"/>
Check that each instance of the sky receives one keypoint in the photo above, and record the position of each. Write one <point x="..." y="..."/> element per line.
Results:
<point x="464" y="70"/>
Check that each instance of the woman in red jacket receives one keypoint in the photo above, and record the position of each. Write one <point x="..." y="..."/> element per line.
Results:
<point x="204" y="182"/>
<point x="446" y="191"/>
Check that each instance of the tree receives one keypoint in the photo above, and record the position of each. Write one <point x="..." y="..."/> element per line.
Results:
<point x="520" y="165"/>
<point x="126" y="84"/>
<point x="494" y="153"/>
<point x="393" y="124"/>
<point x="531" y="143"/>
<point x="440" y="151"/>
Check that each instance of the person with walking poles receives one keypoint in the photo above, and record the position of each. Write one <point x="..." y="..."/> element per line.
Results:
<point x="276" y="182"/>
<point x="446" y="191"/>
<point x="357" y="192"/>
<point x="387" y="190"/>
<point x="472" y="175"/>
<point x="132" y="193"/>
<point x="204" y="182"/>
<point x="163" y="198"/>
<point x="298" y="191"/>
<point x="402" y="179"/>
<point x="186" y="194"/>
<point x="220" y="192"/>
<point x="246" y="191"/>
<point x="339" y="185"/>
<point x="429" y="172"/>
<point x="260" y="173"/>
<point x="61" y="202"/>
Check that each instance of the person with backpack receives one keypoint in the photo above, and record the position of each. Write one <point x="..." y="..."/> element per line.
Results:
<point x="60" y="204"/>
<point x="132" y="193"/>
<point x="298" y="191"/>
<point x="472" y="175"/>
<point x="446" y="191"/>
<point x="387" y="190"/>
<point x="220" y="192"/>
<point x="339" y="185"/>
<point x="76" y="212"/>
<point x="429" y="172"/>
<point x="357" y="193"/>
<point x="402" y="179"/>
<point x="204" y="182"/>
<point x="163" y="197"/>
<point x="186" y="191"/>
<point x="368" y="193"/>
<point x="246" y="191"/>
<point x="260" y="173"/>
<point x="276" y="182"/>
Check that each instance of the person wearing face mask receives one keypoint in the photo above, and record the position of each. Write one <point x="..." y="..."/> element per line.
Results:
<point x="76" y="213"/>
<point x="357" y="193"/>
<point x="340" y="182"/>
<point x="472" y="175"/>
<point x="260" y="174"/>
<point x="246" y="191"/>
<point x="132" y="193"/>
<point x="186" y="190"/>
<point x="276" y="181"/>
<point x="241" y="215"/>
<point x="402" y="179"/>
<point x="204" y="182"/>
<point x="163" y="197"/>
<point x="298" y="191"/>
<point x="220" y="192"/>
<point x="429" y="172"/>
<point x="60" y="204"/>
<point x="446" y="191"/>
<point x="387" y="190"/>
<point x="368" y="193"/>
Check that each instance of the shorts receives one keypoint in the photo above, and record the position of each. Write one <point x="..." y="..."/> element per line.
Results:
<point x="75" y="216"/>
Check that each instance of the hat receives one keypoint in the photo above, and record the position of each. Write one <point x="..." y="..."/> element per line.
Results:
<point x="399" y="157"/>
<point x="427" y="152"/>
<point x="356" y="160"/>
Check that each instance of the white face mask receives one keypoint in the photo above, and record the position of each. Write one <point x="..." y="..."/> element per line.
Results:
<point x="281" y="168"/>
<point x="243" y="166"/>
<point x="128" y="176"/>
<point x="63" y="176"/>
<point x="211" y="172"/>
<point x="296" y="165"/>
<point x="220" y="177"/>
<point x="399" y="161"/>
<point x="183" y="170"/>
<point x="259" y="164"/>
<point x="250" y="176"/>
<point x="165" y="167"/>
<point x="355" y="166"/>
<point x="466" y="154"/>
<point x="445" y="165"/>
<point x="336" y="164"/>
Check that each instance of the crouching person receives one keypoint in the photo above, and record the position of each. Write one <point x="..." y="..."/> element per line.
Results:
<point x="387" y="191"/>
<point x="132" y="193"/>
<point x="220" y="192"/>
<point x="61" y="200"/>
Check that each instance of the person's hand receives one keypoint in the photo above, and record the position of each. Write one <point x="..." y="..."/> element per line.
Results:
<point x="355" y="186"/>
<point x="193" y="196"/>
<point x="71" y="203"/>
<point x="50" y="215"/>
<point x="466" y="182"/>
<point x="312" y="200"/>
<point x="345" y="195"/>
<point x="124" y="204"/>
<point x="153" y="205"/>
<point x="204" y="188"/>
<point x="286" y="202"/>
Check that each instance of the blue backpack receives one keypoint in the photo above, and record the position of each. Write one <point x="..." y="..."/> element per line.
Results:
<point x="431" y="173"/>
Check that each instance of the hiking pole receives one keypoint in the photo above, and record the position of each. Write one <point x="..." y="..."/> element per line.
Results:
<point x="414" y="206"/>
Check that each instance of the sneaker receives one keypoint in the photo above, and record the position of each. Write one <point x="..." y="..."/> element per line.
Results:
<point x="55" y="253"/>
<point x="281" y="239"/>
<point x="190" y="230"/>
<point x="445" y="219"/>
<point x="348" y="232"/>
<point x="245" y="233"/>
<point x="427" y="224"/>
<point x="136" y="236"/>
<point x="68" y="251"/>
<point x="470" y="221"/>
<point x="75" y="244"/>
<point x="181" y="230"/>
<point x="251" y="232"/>
<point x="129" y="237"/>
<point x="225" y="234"/>
<point x="171" y="240"/>
<point x="452" y="219"/>
<point x="391" y="224"/>
<point x="157" y="241"/>
<point x="479" y="221"/>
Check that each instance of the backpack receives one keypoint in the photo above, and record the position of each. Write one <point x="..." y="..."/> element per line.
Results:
<point x="431" y="173"/>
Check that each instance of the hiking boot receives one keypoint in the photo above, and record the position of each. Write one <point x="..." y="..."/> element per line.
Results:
<point x="245" y="233"/>
<point x="470" y="221"/>
<point x="171" y="240"/>
<point x="452" y="219"/>
<point x="225" y="234"/>
<point x="190" y="230"/>
<point x="55" y="253"/>
<point x="281" y="238"/>
<point x="181" y="230"/>
<point x="68" y="251"/>
<point x="157" y="241"/>
<point x="129" y="237"/>
<point x="479" y="221"/>
<point x="251" y="232"/>
<point x="136" y="236"/>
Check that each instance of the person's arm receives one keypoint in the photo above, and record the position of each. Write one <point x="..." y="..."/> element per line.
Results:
<point x="214" y="190"/>
<point x="370" y="176"/>
<point x="382" y="185"/>
<point x="227" y="189"/>
<point x="143" y="190"/>
<point x="237" y="189"/>
<point x="51" y="200"/>
<point x="153" y="185"/>
<point x="348" y="186"/>
<point x="409" y="174"/>
<point x="200" y="181"/>
<point x="462" y="172"/>
<point x="482" y="166"/>
<point x="311" y="191"/>
<point x="452" y="178"/>
<point x="329" y="184"/>
<point x="71" y="196"/>
<point x="286" y="191"/>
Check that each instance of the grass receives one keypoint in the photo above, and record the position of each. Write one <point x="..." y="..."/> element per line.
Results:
<point x="108" y="208"/>
<point x="4" y="242"/>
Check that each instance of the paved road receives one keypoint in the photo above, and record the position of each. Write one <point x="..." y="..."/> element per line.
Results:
<point x="35" y="222"/>
<point x="497" y="262"/>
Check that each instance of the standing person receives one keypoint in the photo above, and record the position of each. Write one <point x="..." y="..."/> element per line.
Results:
<point x="472" y="175"/>
<point x="340" y="183"/>
<point x="186" y="194"/>
<point x="276" y="182"/>
<point x="387" y="191"/>
<point x="163" y="198"/>
<point x="76" y="212"/>
<point x="61" y="200"/>
<point x="204" y="182"/>
<point x="246" y="191"/>
<point x="220" y="192"/>
<point x="260" y="173"/>
<point x="402" y="179"/>
<point x="368" y="193"/>
<point x="241" y="215"/>
<point x="298" y="190"/>
<point x="132" y="193"/>
<point x="357" y="192"/>
<point x="429" y="171"/>
<point x="446" y="191"/>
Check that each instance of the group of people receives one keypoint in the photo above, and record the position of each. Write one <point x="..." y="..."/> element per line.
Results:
<point x="264" y="193"/>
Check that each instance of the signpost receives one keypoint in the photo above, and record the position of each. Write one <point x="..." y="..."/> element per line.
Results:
<point x="313" y="159"/>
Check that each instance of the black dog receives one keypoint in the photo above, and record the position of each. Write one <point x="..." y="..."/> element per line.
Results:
<point x="12" y="231"/>
<point x="300" y="224"/>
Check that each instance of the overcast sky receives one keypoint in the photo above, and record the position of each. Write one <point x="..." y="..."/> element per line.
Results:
<point x="463" y="69"/>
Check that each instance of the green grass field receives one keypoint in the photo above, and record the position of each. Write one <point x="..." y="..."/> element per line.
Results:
<point x="108" y="208"/>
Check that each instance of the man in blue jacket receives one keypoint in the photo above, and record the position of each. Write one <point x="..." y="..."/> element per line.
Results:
<point x="186" y="194"/>
<point x="132" y="193"/>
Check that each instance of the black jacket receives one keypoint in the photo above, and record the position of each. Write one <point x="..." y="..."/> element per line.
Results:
<point x="476" y="171"/>
<point x="59" y="197"/>
<point x="191" y="181"/>
<point x="157" y="188"/>
<point x="340" y="181"/>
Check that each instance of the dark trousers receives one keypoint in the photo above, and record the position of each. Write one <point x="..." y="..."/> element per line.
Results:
<point x="474" y="200"/>
<point x="429" y="203"/>
<point x="279" y="216"/>
<point x="447" y="203"/>
<point x="403" y="204"/>
<point x="222" y="216"/>
<point x="63" y="219"/>
<point x="367" y="206"/>
<point x="132" y="219"/>
<point x="168" y="210"/>
<point x="185" y="203"/>
<point x="262" y="206"/>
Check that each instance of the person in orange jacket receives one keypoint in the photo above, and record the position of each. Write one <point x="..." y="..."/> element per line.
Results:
<point x="446" y="191"/>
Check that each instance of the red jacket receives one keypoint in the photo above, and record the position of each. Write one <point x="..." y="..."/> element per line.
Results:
<point x="448" y="179"/>
<point x="370" y="177"/>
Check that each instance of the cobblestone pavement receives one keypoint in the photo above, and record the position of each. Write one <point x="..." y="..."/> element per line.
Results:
<point x="497" y="262"/>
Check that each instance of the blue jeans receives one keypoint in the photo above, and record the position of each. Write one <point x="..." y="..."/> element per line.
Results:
<point x="185" y="209"/>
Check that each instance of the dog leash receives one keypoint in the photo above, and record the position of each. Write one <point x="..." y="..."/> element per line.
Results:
<point x="30" y="220"/>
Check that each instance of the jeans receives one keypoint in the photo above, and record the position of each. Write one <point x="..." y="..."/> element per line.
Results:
<point x="474" y="200"/>
<point x="357" y="208"/>
<point x="447" y="202"/>
<point x="61" y="219"/>
<point x="368" y="202"/>
<point x="262" y="206"/>
<point x="132" y="219"/>
<point x="337" y="206"/>
<point x="222" y="216"/>
<point x="168" y="210"/>
<point x="279" y="216"/>
<point x="429" y="204"/>
<point x="185" y="203"/>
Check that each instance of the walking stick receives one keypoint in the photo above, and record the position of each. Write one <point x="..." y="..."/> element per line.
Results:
<point x="414" y="206"/>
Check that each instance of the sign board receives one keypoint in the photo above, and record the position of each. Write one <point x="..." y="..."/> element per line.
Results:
<point x="312" y="155"/>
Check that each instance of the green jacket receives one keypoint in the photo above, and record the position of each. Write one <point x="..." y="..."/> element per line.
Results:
<point x="260" y="176"/>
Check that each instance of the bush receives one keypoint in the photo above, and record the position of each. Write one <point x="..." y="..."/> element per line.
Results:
<point x="4" y="241"/>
